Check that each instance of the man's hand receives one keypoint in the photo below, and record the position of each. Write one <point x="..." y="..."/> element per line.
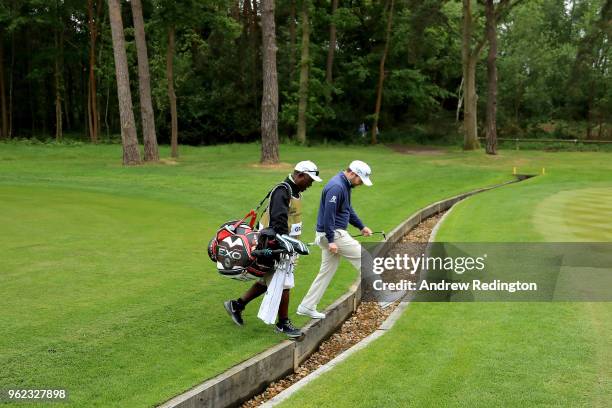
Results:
<point x="366" y="232"/>
<point x="333" y="248"/>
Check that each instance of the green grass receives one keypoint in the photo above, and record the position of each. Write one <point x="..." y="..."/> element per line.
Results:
<point x="105" y="286"/>
<point x="497" y="354"/>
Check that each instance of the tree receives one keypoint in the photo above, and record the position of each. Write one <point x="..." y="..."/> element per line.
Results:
<point x="590" y="79"/>
<point x="304" y="65"/>
<point x="469" y="59"/>
<point x="171" y="93"/>
<point x="332" y="44"/>
<point x="492" y="15"/>
<point x="58" y="35"/>
<point x="471" y="46"/>
<point x="381" y="73"/>
<point x="131" y="153"/>
<point x="269" y="102"/>
<point x="491" y="118"/>
<point x="6" y="21"/>
<point x="553" y="62"/>
<point x="292" y="37"/>
<point x="254" y="51"/>
<point x="4" y="132"/>
<point x="94" y="18"/>
<point x="151" y="151"/>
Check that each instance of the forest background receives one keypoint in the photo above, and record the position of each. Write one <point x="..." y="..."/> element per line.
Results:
<point x="395" y="65"/>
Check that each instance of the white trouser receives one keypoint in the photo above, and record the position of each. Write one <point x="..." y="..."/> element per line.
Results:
<point x="348" y="247"/>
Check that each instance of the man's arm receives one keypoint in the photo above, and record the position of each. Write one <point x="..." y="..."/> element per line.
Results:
<point x="330" y="201"/>
<point x="356" y="222"/>
<point x="354" y="219"/>
<point x="279" y="209"/>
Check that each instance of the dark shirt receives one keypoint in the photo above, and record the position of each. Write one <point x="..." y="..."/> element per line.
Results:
<point x="279" y="206"/>
<point x="335" y="210"/>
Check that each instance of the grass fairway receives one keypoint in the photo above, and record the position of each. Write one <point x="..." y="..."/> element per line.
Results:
<point x="105" y="286"/>
<point x="497" y="354"/>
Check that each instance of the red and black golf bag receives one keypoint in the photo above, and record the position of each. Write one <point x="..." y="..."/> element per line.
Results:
<point x="232" y="249"/>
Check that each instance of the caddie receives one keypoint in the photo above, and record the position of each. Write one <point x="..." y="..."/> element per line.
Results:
<point x="283" y="216"/>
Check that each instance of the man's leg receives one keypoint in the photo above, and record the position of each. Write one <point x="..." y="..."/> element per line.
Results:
<point x="283" y="308"/>
<point x="284" y="325"/>
<point x="254" y="291"/>
<point x="235" y="307"/>
<point x="329" y="265"/>
<point x="349" y="248"/>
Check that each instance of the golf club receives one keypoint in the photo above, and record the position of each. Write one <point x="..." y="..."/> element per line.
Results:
<point x="373" y="233"/>
<point x="359" y="235"/>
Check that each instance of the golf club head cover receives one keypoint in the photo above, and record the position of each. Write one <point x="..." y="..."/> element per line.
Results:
<point x="298" y="246"/>
<point x="284" y="243"/>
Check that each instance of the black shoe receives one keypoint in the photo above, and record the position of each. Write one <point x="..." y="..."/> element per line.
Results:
<point x="289" y="329"/>
<point x="234" y="311"/>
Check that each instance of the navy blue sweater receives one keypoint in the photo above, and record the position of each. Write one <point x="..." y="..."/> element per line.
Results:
<point x="335" y="211"/>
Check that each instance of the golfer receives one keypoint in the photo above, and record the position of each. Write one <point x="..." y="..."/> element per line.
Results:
<point x="335" y="213"/>
<point x="284" y="216"/>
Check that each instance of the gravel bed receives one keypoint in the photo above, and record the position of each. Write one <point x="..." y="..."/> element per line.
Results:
<point x="368" y="317"/>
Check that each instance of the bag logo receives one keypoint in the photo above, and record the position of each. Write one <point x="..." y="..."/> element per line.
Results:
<point x="233" y="242"/>
<point x="226" y="253"/>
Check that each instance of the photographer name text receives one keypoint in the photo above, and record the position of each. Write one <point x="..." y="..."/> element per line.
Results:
<point x="475" y="285"/>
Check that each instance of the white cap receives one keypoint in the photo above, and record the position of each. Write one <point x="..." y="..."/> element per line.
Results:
<point x="309" y="168"/>
<point x="362" y="170"/>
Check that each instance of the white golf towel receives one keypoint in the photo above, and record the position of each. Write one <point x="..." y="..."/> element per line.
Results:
<point x="282" y="279"/>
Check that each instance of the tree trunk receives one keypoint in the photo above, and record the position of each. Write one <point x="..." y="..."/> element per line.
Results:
<point x="269" y="102"/>
<point x="469" y="59"/>
<point x="247" y="14"/>
<point x="491" y="121"/>
<point x="106" y="112"/>
<point x="151" y="151"/>
<point x="171" y="94"/>
<point x="131" y="154"/>
<point x="236" y="10"/>
<point x="254" y="48"/>
<point x="4" y="133"/>
<point x="92" y="108"/>
<point x="304" y="65"/>
<point x="58" y="95"/>
<point x="459" y="100"/>
<point x="590" y="107"/>
<point x="332" y="45"/>
<point x="30" y="91"/>
<point x="100" y="22"/>
<point x="381" y="74"/>
<point x="470" y="141"/>
<point x="10" y="103"/>
<point x="292" y="37"/>
<point x="600" y="124"/>
<point x="68" y="114"/>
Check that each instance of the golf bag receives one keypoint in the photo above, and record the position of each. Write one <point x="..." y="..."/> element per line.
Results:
<point x="232" y="249"/>
<point x="243" y="253"/>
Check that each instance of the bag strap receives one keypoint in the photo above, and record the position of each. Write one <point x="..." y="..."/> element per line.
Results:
<point x="284" y="184"/>
<point x="253" y="213"/>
